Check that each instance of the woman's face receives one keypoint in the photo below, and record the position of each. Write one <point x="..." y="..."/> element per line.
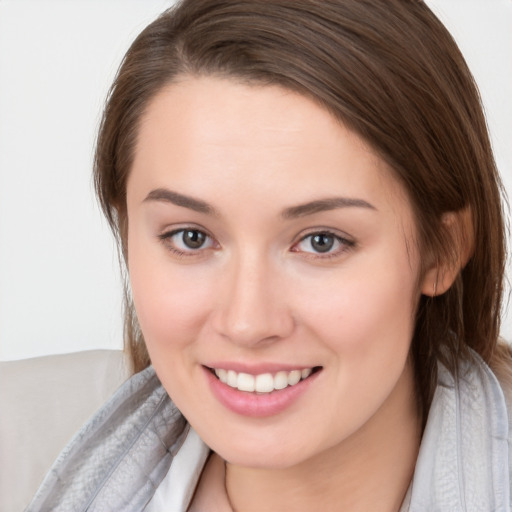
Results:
<point x="269" y="243"/>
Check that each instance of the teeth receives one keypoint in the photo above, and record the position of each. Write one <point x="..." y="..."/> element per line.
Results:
<point x="232" y="379"/>
<point x="245" y="382"/>
<point x="280" y="380"/>
<point x="293" y="377"/>
<point x="223" y="375"/>
<point x="306" y="373"/>
<point x="263" y="383"/>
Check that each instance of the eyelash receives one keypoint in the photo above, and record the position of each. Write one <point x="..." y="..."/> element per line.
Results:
<point x="166" y="239"/>
<point x="344" y="243"/>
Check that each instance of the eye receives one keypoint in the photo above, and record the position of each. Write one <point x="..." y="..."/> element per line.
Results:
<point x="191" y="238"/>
<point x="187" y="241"/>
<point x="322" y="243"/>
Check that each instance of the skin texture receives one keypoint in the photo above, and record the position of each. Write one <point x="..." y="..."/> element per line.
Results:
<point x="257" y="293"/>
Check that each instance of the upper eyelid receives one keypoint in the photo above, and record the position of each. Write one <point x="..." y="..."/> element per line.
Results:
<point x="328" y="231"/>
<point x="346" y="243"/>
<point x="172" y="230"/>
<point x="167" y="234"/>
<point x="340" y="239"/>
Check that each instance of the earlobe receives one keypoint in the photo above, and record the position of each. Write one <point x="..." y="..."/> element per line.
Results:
<point x="441" y="276"/>
<point x="439" y="279"/>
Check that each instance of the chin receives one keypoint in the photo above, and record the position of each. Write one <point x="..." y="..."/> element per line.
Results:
<point x="270" y="451"/>
<point x="263" y="460"/>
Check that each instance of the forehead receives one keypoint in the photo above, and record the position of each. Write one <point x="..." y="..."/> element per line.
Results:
<point x="209" y="131"/>
<point x="210" y="112"/>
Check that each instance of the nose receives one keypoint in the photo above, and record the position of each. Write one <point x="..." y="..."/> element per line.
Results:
<point x="252" y="308"/>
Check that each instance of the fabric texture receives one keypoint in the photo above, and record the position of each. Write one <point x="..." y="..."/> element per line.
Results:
<point x="118" y="459"/>
<point x="177" y="488"/>
<point x="124" y="454"/>
<point x="43" y="402"/>
<point x="463" y="463"/>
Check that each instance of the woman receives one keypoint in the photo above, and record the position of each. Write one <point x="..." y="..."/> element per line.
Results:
<point x="306" y="200"/>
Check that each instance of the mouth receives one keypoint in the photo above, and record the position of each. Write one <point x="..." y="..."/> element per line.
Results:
<point x="263" y="383"/>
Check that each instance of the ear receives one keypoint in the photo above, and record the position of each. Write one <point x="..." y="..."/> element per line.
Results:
<point x="440" y="277"/>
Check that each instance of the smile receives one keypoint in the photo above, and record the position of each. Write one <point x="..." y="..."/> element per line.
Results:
<point x="264" y="382"/>
<point x="260" y="394"/>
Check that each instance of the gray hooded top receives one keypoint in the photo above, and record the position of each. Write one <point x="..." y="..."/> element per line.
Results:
<point x="121" y="456"/>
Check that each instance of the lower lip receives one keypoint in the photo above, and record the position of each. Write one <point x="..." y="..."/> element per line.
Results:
<point x="254" y="404"/>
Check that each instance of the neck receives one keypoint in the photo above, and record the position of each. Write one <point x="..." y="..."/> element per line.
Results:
<point x="370" y="470"/>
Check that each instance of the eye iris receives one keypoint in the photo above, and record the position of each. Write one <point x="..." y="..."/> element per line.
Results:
<point x="322" y="242"/>
<point x="193" y="239"/>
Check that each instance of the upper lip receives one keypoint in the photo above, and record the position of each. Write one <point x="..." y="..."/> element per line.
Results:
<point x="257" y="369"/>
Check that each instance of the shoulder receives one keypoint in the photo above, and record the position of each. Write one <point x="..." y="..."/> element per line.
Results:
<point x="503" y="372"/>
<point x="502" y="369"/>
<point x="465" y="454"/>
<point x="501" y="365"/>
<point x="136" y="434"/>
<point x="496" y="404"/>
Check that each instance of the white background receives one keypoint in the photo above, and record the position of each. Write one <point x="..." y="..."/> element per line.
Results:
<point x="59" y="285"/>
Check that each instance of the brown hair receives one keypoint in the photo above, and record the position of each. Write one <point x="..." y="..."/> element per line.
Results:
<point x="390" y="71"/>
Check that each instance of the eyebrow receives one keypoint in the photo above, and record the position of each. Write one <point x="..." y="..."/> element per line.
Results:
<point x="322" y="205"/>
<point x="169" y="196"/>
<point x="302" y="210"/>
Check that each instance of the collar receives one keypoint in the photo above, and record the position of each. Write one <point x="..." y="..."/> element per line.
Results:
<point x="119" y="459"/>
<point x="463" y="462"/>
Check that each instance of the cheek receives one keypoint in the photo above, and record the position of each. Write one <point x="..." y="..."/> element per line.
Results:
<point x="367" y="309"/>
<point x="170" y="308"/>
